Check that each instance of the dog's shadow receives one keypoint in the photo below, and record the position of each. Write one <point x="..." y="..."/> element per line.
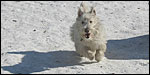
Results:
<point x="127" y="49"/>
<point x="39" y="61"/>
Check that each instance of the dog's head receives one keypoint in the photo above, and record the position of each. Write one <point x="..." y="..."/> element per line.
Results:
<point x="87" y="20"/>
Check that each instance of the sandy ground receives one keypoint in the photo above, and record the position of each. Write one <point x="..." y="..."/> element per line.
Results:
<point x="35" y="38"/>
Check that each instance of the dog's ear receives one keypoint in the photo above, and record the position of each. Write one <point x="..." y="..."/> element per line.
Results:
<point x="81" y="9"/>
<point x="93" y="11"/>
<point x="80" y="12"/>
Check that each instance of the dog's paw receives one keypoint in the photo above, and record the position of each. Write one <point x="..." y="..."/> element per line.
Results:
<point x="99" y="58"/>
<point x="91" y="55"/>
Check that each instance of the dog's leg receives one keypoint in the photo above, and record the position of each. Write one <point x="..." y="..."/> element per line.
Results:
<point x="81" y="50"/>
<point x="100" y="53"/>
<point x="85" y="52"/>
<point x="91" y="54"/>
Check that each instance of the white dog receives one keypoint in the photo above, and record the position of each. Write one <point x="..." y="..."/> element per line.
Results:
<point x="88" y="34"/>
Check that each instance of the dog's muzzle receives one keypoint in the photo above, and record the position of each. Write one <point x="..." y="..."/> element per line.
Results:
<point x="87" y="34"/>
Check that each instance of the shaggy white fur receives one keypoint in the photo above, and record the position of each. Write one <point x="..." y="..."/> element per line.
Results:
<point x="88" y="34"/>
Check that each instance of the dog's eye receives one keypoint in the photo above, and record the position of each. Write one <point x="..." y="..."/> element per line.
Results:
<point x="90" y="21"/>
<point x="82" y="22"/>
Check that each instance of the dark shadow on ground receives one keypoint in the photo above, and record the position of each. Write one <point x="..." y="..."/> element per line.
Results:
<point x="126" y="49"/>
<point x="40" y="61"/>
